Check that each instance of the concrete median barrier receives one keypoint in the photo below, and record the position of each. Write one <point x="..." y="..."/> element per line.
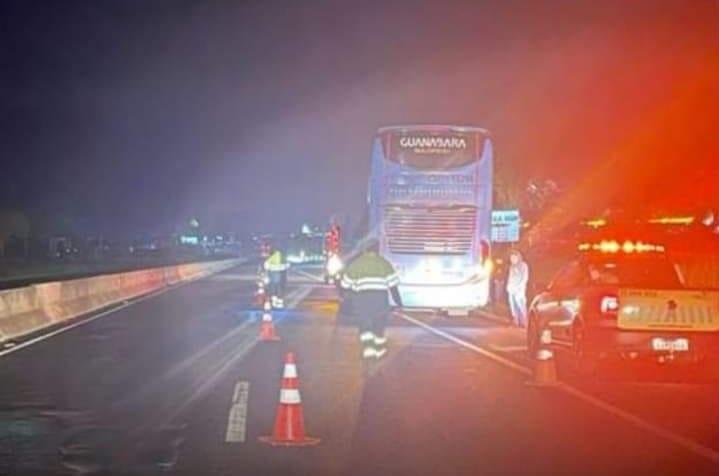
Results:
<point x="20" y="312"/>
<point x="32" y="308"/>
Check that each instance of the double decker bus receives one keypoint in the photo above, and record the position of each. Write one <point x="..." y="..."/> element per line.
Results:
<point x="430" y="206"/>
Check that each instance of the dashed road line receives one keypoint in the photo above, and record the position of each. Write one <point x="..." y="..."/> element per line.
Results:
<point x="237" y="354"/>
<point x="311" y="276"/>
<point x="628" y="417"/>
<point x="237" y="418"/>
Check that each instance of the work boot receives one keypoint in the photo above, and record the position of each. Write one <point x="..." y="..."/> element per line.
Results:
<point x="379" y="345"/>
<point x="369" y="353"/>
<point x="366" y="337"/>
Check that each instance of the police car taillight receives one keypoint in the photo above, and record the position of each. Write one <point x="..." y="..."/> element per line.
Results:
<point x="609" y="304"/>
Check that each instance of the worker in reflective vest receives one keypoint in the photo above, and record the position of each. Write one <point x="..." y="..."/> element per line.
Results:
<point x="368" y="281"/>
<point x="276" y="267"/>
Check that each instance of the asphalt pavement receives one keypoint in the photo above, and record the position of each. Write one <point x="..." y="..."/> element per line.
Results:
<point x="178" y="382"/>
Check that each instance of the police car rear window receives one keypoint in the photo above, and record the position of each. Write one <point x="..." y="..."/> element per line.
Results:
<point x="657" y="274"/>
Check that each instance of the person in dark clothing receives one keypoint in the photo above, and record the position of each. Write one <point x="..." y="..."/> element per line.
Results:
<point x="367" y="281"/>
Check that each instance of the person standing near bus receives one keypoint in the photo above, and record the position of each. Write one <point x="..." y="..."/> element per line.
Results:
<point x="368" y="279"/>
<point x="517" y="279"/>
<point x="276" y="267"/>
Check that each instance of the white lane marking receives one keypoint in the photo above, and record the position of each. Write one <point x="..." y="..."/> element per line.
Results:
<point x="314" y="278"/>
<point x="505" y="321"/>
<point x="509" y="348"/>
<point x="639" y="422"/>
<point x="211" y="378"/>
<point x="237" y="418"/>
<point x="675" y="438"/>
<point x="468" y="345"/>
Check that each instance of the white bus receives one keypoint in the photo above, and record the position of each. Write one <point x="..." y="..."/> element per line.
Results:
<point x="430" y="204"/>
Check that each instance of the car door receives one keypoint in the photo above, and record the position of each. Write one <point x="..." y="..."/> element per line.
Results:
<point x="562" y="303"/>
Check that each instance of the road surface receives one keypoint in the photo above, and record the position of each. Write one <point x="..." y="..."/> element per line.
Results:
<point x="178" y="382"/>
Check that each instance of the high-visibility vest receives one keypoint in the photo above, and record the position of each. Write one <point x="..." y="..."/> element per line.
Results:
<point x="370" y="272"/>
<point x="276" y="262"/>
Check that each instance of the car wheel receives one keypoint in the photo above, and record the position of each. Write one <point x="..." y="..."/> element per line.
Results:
<point x="583" y="363"/>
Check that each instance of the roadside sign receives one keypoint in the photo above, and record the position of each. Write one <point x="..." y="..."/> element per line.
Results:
<point x="505" y="226"/>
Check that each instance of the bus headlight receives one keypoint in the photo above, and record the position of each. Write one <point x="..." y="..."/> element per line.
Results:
<point x="488" y="266"/>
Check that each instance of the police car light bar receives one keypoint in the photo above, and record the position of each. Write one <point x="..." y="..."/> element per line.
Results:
<point x="679" y="220"/>
<point x="595" y="223"/>
<point x="613" y="246"/>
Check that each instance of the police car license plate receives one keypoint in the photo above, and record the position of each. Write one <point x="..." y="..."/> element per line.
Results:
<point x="670" y="345"/>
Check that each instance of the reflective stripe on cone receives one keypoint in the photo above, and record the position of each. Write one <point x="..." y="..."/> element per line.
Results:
<point x="290" y="396"/>
<point x="289" y="428"/>
<point x="290" y="371"/>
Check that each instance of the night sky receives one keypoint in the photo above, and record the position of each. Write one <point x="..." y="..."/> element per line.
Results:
<point x="132" y="116"/>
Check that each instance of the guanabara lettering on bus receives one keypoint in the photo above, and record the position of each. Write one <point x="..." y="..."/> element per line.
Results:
<point x="430" y="202"/>
<point x="428" y="144"/>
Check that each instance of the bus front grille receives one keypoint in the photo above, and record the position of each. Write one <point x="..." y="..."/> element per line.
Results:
<point x="436" y="230"/>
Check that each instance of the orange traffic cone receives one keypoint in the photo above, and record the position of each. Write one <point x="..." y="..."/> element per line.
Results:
<point x="289" y="421"/>
<point x="267" y="328"/>
<point x="545" y="370"/>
